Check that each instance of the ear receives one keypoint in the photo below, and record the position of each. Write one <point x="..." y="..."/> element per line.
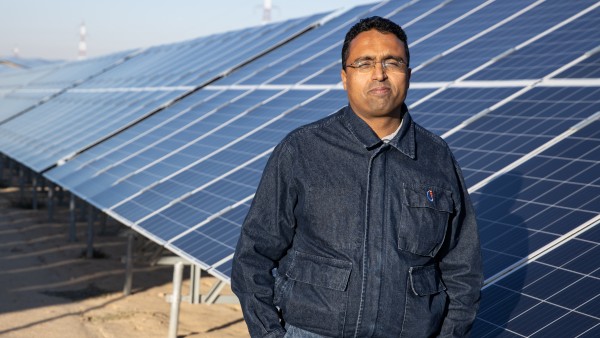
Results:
<point x="408" y="73"/>
<point x="343" y="74"/>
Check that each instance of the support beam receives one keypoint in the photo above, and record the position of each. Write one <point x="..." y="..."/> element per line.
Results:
<point x="213" y="294"/>
<point x="22" y="184"/>
<point x="34" y="186"/>
<point x="11" y="171"/>
<point x="174" y="317"/>
<point x="60" y="196"/>
<point x="103" y="221"/>
<point x="50" y="202"/>
<point x="128" y="265"/>
<point x="2" y="164"/>
<point x="90" y="231"/>
<point x="72" y="219"/>
<point x="195" y="278"/>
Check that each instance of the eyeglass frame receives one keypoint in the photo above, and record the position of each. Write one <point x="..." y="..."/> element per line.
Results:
<point x="384" y="67"/>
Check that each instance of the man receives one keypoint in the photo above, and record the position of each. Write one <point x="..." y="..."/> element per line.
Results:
<point x="361" y="225"/>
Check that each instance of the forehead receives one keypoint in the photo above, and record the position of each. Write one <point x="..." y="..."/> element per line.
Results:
<point x="374" y="43"/>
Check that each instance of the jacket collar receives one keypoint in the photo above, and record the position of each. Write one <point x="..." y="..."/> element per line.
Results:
<point x="404" y="141"/>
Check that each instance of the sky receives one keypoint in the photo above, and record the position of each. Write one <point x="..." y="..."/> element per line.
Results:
<point x="49" y="29"/>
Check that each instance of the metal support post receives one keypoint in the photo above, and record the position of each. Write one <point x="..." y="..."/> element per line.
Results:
<point x="128" y="265"/>
<point x="1" y="168"/>
<point x="11" y="171"/>
<point x="176" y="300"/>
<point x="29" y="173"/>
<point x="213" y="294"/>
<point x="90" y="232"/>
<point x="60" y="196"/>
<point x="22" y="184"/>
<point x="82" y="212"/>
<point x="72" y="220"/>
<point x="50" y="202"/>
<point x="34" y="184"/>
<point x="195" y="292"/>
<point x="103" y="222"/>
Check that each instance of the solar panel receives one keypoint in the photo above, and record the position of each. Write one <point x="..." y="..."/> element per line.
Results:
<point x="514" y="129"/>
<point x="540" y="17"/>
<point x="554" y="296"/>
<point x="479" y="19"/>
<point x="589" y="68"/>
<point x="205" y="161"/>
<point x="450" y="107"/>
<point x="185" y="176"/>
<point x="160" y="74"/>
<point x="569" y="40"/>
<point x="33" y="86"/>
<point x="214" y="240"/>
<point x="318" y="65"/>
<point x="540" y="200"/>
<point x="40" y="145"/>
<point x="116" y="150"/>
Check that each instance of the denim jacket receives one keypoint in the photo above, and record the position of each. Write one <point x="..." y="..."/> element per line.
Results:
<point x="348" y="236"/>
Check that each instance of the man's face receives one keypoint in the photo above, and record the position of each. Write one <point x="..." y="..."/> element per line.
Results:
<point x="377" y="92"/>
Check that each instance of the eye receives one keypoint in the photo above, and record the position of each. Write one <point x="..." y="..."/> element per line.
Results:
<point x="392" y="64"/>
<point x="365" y="64"/>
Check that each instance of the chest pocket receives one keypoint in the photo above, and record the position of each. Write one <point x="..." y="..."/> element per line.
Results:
<point x="424" y="219"/>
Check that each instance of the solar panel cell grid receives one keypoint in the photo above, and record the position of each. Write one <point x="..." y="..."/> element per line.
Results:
<point x="242" y="126"/>
<point x="548" y="53"/>
<point x="516" y="31"/>
<point x="490" y="143"/>
<point x="452" y="106"/>
<point x="481" y="19"/>
<point x="548" y="297"/>
<point x="586" y="69"/>
<point x="215" y="239"/>
<point x="527" y="208"/>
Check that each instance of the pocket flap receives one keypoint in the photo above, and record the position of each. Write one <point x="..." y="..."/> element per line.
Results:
<point x="426" y="280"/>
<point x="429" y="197"/>
<point x="326" y="272"/>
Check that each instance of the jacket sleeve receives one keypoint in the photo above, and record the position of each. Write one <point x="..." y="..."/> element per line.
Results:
<point x="266" y="235"/>
<point x="461" y="267"/>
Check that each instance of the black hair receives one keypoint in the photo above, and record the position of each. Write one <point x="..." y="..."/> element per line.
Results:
<point x="382" y="25"/>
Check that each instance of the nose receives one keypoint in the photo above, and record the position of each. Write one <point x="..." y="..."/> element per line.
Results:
<point x="378" y="72"/>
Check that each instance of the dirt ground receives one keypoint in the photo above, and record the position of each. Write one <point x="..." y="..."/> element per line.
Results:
<point x="49" y="289"/>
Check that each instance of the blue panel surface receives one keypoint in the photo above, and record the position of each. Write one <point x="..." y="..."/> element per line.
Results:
<point x="550" y="297"/>
<point x="547" y="54"/>
<point x="500" y="40"/>
<point x="520" y="126"/>
<point x="214" y="240"/>
<point x="229" y="155"/>
<point x="589" y="68"/>
<point x="539" y="201"/>
<point x="111" y="152"/>
<point x="35" y="85"/>
<point x="128" y="92"/>
<point x="480" y="18"/>
<point x="452" y="106"/>
<point x="70" y="122"/>
<point x="320" y="62"/>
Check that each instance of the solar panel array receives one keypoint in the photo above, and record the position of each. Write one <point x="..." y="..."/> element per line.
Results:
<point x="114" y="99"/>
<point x="172" y="140"/>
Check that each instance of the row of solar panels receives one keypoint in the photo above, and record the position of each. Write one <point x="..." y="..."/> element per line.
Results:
<point x="183" y="173"/>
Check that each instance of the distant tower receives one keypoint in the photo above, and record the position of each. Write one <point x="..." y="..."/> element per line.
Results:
<point x="82" y="46"/>
<point x="16" y="51"/>
<point x="267" y="11"/>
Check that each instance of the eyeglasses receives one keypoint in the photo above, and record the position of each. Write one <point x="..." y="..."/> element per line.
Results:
<point x="388" y="65"/>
